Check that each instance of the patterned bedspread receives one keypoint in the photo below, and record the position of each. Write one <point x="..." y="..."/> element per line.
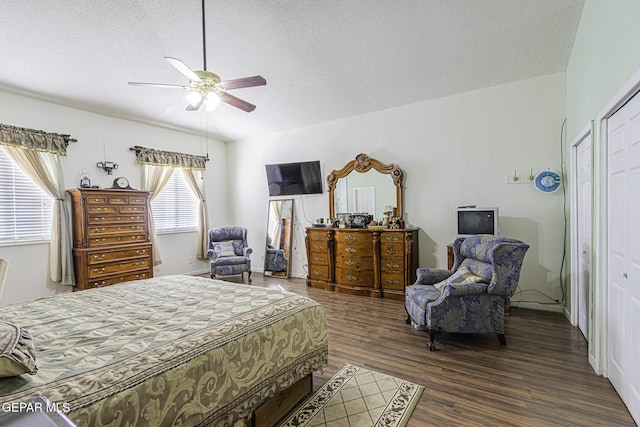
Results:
<point x="172" y="350"/>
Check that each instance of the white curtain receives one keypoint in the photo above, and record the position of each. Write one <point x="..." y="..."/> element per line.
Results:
<point x="154" y="178"/>
<point x="275" y="206"/>
<point x="46" y="171"/>
<point x="195" y="178"/>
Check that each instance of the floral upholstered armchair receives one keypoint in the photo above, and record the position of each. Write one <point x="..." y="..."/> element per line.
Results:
<point x="275" y="260"/>
<point x="469" y="298"/>
<point x="229" y="252"/>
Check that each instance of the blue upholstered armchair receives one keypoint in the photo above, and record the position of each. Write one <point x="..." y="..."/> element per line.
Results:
<point x="469" y="298"/>
<point x="275" y="260"/>
<point x="228" y="251"/>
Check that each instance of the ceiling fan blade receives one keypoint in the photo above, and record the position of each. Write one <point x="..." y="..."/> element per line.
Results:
<point x="194" y="107"/>
<point x="243" y="82"/>
<point x="237" y="102"/>
<point x="162" y="85"/>
<point x="182" y="68"/>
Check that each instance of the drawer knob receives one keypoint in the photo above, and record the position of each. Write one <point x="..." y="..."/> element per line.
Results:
<point x="350" y="237"/>
<point x="99" y="257"/>
<point x="392" y="238"/>
<point x="350" y="263"/>
<point x="319" y="273"/>
<point x="319" y="247"/>
<point x="98" y="270"/>
<point x="351" y="277"/>
<point x="392" y="281"/>
<point x="318" y="236"/>
<point x="318" y="258"/>
<point x="351" y="250"/>
<point x="142" y="252"/>
<point x="391" y="251"/>
<point x="392" y="265"/>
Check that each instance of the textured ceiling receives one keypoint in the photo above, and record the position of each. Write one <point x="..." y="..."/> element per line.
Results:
<point x="323" y="60"/>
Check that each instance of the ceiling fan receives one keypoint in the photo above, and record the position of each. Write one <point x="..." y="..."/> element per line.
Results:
<point x="205" y="87"/>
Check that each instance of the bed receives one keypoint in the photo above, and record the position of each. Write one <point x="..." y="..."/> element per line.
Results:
<point x="172" y="350"/>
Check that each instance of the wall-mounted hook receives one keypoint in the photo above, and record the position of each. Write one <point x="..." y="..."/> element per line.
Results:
<point x="515" y="175"/>
<point x="531" y="176"/>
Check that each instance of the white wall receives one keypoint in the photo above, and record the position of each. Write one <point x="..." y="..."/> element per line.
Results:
<point x="28" y="275"/>
<point x="604" y="57"/>
<point x="455" y="151"/>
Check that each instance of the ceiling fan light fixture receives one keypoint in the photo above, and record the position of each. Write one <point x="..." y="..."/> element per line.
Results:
<point x="211" y="101"/>
<point x="193" y="97"/>
<point x="206" y="87"/>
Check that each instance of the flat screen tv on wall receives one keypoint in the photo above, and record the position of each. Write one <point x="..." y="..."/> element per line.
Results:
<point x="289" y="179"/>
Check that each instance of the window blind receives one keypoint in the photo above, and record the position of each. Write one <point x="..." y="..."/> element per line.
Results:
<point x="175" y="208"/>
<point x="25" y="211"/>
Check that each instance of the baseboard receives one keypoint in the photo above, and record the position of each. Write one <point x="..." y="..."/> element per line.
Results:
<point x="196" y="273"/>
<point x="555" y="308"/>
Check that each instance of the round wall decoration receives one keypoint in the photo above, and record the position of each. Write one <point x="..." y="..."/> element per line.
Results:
<point x="547" y="181"/>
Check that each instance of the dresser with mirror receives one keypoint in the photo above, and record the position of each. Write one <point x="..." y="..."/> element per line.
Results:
<point x="356" y="258"/>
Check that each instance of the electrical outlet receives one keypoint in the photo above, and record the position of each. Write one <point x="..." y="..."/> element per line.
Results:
<point x="190" y="260"/>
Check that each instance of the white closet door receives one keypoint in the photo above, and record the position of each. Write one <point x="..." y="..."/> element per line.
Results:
<point x="624" y="253"/>
<point x="583" y="212"/>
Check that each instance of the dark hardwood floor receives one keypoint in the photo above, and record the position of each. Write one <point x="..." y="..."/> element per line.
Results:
<point x="541" y="378"/>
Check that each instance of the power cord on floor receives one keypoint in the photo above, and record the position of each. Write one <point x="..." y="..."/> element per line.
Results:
<point x="564" y="210"/>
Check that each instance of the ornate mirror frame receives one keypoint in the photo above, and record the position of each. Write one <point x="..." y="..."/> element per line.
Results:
<point x="361" y="164"/>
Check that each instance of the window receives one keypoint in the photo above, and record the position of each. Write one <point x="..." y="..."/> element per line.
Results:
<point x="176" y="207"/>
<point x="25" y="210"/>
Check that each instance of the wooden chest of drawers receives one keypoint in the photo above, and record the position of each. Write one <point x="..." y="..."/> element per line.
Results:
<point x="110" y="236"/>
<point x="354" y="261"/>
<point x="377" y="263"/>
<point x="319" y="242"/>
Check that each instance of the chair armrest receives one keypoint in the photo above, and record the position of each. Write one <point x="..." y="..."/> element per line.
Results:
<point x="463" y="289"/>
<point x="247" y="251"/>
<point x="430" y="276"/>
<point x="211" y="254"/>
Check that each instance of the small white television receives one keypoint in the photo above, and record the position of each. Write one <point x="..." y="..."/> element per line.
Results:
<point x="473" y="220"/>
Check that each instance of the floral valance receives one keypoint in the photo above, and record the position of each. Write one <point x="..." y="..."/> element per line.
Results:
<point x="149" y="156"/>
<point x="36" y="140"/>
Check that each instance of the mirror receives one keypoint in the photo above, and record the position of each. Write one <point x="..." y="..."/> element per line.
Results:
<point x="277" y="248"/>
<point x="365" y="185"/>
